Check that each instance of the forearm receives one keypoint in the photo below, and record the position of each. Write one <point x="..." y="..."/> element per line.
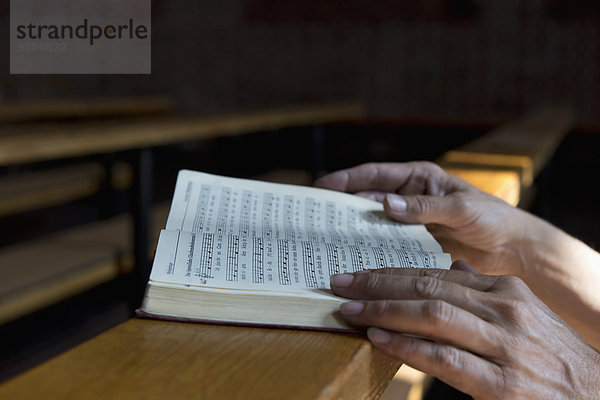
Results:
<point x="564" y="273"/>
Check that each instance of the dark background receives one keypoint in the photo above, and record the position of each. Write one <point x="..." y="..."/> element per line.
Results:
<point x="459" y="59"/>
<point x="432" y="75"/>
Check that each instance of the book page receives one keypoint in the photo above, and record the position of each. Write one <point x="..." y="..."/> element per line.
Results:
<point x="205" y="203"/>
<point x="234" y="261"/>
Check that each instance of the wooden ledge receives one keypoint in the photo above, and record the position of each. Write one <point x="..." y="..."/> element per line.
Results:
<point x="35" y="190"/>
<point x="525" y="145"/>
<point x="83" y="108"/>
<point x="43" y="272"/>
<point x="158" y="360"/>
<point x="504" y="184"/>
<point x="29" y="143"/>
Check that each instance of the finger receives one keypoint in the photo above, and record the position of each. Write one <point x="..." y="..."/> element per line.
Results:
<point x="372" y="195"/>
<point x="458" y="368"/>
<point x="426" y="286"/>
<point x="475" y="281"/>
<point x="460" y="265"/>
<point x="435" y="319"/>
<point x="424" y="209"/>
<point x="407" y="178"/>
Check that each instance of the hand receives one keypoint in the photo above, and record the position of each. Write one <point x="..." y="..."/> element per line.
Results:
<point x="468" y="223"/>
<point x="490" y="336"/>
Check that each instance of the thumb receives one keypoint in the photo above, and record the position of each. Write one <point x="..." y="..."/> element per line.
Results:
<point x="419" y="209"/>
<point x="460" y="265"/>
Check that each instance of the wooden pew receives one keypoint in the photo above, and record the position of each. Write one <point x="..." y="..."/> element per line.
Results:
<point x="42" y="272"/>
<point x="28" y="143"/>
<point x="505" y="184"/>
<point x="20" y="111"/>
<point x="158" y="359"/>
<point x="525" y="145"/>
<point x="34" y="190"/>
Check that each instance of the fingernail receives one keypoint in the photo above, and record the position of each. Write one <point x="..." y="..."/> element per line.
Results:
<point x="378" y="336"/>
<point x="396" y="203"/>
<point x="341" y="280"/>
<point x="351" y="308"/>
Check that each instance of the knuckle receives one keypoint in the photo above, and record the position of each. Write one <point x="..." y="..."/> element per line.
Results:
<point x="448" y="358"/>
<point x="463" y="203"/>
<point x="373" y="173"/>
<point x="372" y="283"/>
<point x="506" y="345"/>
<point x="435" y="273"/>
<point x="428" y="165"/>
<point x="426" y="286"/>
<point x="420" y="205"/>
<point x="517" y="286"/>
<point x="515" y="312"/>
<point x="379" y="308"/>
<point x="513" y="281"/>
<point x="438" y="313"/>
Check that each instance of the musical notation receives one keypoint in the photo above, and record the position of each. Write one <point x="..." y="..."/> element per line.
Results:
<point x="229" y="231"/>
<point x="333" y="259"/>
<point x="357" y="258"/>
<point x="330" y="220"/>
<point x="267" y="215"/>
<point x="283" y="261"/>
<point x="288" y="217"/>
<point x="379" y="255"/>
<point x="233" y="255"/>
<point x="201" y="209"/>
<point x="246" y="206"/>
<point x="308" y="261"/>
<point x="258" y="271"/>
<point x="206" y="256"/>
<point x="224" y="201"/>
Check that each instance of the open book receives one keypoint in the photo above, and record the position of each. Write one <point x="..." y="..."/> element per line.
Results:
<point x="246" y="252"/>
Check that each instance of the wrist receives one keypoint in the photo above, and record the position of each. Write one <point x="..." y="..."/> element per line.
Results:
<point x="540" y="246"/>
<point x="523" y="246"/>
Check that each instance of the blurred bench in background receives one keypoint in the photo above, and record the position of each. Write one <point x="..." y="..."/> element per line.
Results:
<point x="34" y="190"/>
<point x="47" y="270"/>
<point x="38" y="273"/>
<point x="525" y="145"/>
<point x="27" y="111"/>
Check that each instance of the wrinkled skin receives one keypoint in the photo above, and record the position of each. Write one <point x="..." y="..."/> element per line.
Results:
<point x="489" y="336"/>
<point x="470" y="224"/>
<point x="489" y="234"/>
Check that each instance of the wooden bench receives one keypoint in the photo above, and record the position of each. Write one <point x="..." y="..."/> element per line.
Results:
<point x="505" y="184"/>
<point x="19" y="111"/>
<point x="29" y="191"/>
<point x="525" y="145"/>
<point x="34" y="190"/>
<point x="158" y="360"/>
<point x="28" y="143"/>
<point x="42" y="272"/>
